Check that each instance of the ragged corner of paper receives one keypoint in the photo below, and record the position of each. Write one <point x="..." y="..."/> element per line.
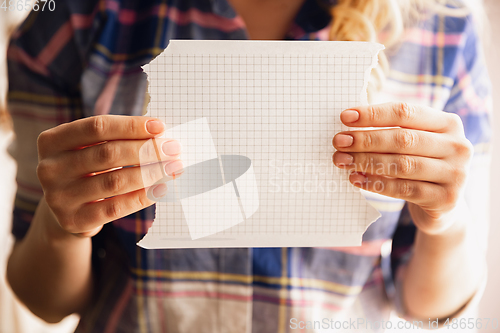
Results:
<point x="256" y="121"/>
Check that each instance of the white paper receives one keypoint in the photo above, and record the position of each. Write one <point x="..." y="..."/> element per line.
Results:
<point x="267" y="112"/>
<point x="205" y="215"/>
<point x="195" y="135"/>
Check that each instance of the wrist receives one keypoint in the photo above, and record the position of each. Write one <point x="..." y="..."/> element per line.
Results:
<point x="48" y="228"/>
<point x="444" y="224"/>
<point x="457" y="232"/>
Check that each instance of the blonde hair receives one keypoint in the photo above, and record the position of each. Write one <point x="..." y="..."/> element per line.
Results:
<point x="385" y="21"/>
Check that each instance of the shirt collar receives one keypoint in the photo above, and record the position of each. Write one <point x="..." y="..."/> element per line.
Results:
<point x="312" y="17"/>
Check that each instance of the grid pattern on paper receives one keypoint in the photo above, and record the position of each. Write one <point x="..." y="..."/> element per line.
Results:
<point x="279" y="111"/>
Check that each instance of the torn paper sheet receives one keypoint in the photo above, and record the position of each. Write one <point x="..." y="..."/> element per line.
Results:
<point x="256" y="121"/>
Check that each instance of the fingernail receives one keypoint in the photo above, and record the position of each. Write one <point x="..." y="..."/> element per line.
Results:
<point x="349" y="116"/>
<point x="160" y="190"/>
<point x="358" y="179"/>
<point x="342" y="159"/>
<point x="343" y="140"/>
<point x="171" y="148"/>
<point x="155" y="126"/>
<point x="173" y="167"/>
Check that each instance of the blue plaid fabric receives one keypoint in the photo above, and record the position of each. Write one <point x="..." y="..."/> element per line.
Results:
<point x="65" y="65"/>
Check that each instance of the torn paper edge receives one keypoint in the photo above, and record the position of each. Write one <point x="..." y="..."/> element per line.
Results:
<point x="309" y="240"/>
<point x="364" y="101"/>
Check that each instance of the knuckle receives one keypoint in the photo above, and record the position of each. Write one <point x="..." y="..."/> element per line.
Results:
<point x="153" y="174"/>
<point x="455" y="121"/>
<point x="363" y="160"/>
<point x="373" y="114"/>
<point x="367" y="141"/>
<point x="405" y="111"/>
<point x="150" y="151"/>
<point x="108" y="153"/>
<point x="469" y="149"/>
<point x="463" y="148"/>
<point x="451" y="196"/>
<point x="97" y="127"/>
<point x="407" y="189"/>
<point x="406" y="165"/>
<point x="45" y="172"/>
<point x="369" y="164"/>
<point x="458" y="175"/>
<point x="113" y="210"/>
<point x="131" y="125"/>
<point x="405" y="139"/>
<point x="113" y="183"/>
<point x="141" y="199"/>
<point x="43" y="138"/>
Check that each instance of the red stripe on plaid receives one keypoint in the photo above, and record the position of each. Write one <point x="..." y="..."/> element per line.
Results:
<point x="297" y="303"/>
<point x="16" y="54"/>
<point x="119" y="307"/>
<point x="370" y="248"/>
<point x="56" y="43"/>
<point x="193" y="15"/>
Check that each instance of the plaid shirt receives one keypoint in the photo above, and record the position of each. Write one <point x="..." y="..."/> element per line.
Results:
<point x="85" y="59"/>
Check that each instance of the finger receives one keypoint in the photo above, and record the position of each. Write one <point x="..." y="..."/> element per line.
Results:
<point x="399" y="166"/>
<point x="121" y="181"/>
<point x="396" y="141"/>
<point x="421" y="193"/>
<point x="120" y="153"/>
<point x="93" y="130"/>
<point x="402" y="115"/>
<point x="92" y="215"/>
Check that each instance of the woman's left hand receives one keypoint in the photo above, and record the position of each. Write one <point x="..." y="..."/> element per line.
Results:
<point x="424" y="161"/>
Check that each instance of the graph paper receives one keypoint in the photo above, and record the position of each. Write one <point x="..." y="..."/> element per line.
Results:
<point x="256" y="121"/>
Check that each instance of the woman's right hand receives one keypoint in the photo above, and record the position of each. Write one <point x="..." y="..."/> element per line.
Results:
<point x="80" y="168"/>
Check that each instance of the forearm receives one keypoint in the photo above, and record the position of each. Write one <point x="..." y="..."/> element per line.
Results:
<point x="50" y="269"/>
<point x="444" y="271"/>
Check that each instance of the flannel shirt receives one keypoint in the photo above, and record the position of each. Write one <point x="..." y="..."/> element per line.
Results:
<point x="85" y="59"/>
